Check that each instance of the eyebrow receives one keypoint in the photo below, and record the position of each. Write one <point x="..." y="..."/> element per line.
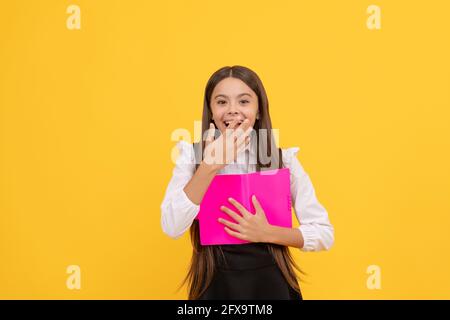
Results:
<point x="239" y="95"/>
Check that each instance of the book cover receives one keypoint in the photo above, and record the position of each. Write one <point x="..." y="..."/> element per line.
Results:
<point x="271" y="188"/>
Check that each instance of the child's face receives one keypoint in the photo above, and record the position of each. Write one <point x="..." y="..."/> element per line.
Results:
<point x="233" y="99"/>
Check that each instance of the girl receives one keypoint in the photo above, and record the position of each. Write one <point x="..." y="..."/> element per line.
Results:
<point x="263" y="268"/>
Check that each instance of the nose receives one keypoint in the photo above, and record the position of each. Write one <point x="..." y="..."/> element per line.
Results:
<point x="233" y="110"/>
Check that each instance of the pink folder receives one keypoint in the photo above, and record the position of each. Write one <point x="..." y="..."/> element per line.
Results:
<point x="271" y="188"/>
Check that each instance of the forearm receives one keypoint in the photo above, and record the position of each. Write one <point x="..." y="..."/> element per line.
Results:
<point x="196" y="187"/>
<point x="291" y="237"/>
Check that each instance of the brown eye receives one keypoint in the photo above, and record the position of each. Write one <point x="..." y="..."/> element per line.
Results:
<point x="220" y="102"/>
<point x="245" y="101"/>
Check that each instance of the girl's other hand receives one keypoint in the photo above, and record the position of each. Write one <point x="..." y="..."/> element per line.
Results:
<point x="247" y="226"/>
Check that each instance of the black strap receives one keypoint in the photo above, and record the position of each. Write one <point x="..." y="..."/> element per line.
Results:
<point x="280" y="159"/>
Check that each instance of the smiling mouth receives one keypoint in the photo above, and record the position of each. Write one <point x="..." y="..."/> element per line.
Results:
<point x="227" y="123"/>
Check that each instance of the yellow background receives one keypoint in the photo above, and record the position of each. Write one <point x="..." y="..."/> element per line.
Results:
<point x="86" y="118"/>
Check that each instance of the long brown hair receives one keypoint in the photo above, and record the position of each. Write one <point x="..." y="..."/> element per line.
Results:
<point x="202" y="266"/>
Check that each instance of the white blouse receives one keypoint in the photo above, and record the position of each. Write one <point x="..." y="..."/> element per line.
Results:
<point x="178" y="211"/>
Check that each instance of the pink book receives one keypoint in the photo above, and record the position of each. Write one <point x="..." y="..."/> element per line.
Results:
<point x="271" y="188"/>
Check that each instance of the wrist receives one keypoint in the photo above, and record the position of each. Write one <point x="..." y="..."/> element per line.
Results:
<point x="210" y="168"/>
<point x="271" y="234"/>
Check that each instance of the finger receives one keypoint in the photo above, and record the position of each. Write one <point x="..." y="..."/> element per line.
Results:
<point x="229" y="137"/>
<point x="232" y="214"/>
<point x="234" y="134"/>
<point x="235" y="137"/>
<point x="234" y="125"/>
<point x="244" y="139"/>
<point x="230" y="129"/>
<point x="241" y="148"/>
<point x="240" y="207"/>
<point x="242" y="127"/>
<point x="245" y="124"/>
<point x="235" y="234"/>
<point x="210" y="135"/>
<point x="243" y="131"/>
<point x="230" y="224"/>
<point x="242" y="145"/>
<point x="257" y="205"/>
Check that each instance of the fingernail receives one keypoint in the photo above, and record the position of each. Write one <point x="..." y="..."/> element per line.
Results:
<point x="230" y="199"/>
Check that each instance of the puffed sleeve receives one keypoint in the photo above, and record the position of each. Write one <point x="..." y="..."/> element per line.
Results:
<point x="317" y="231"/>
<point x="177" y="210"/>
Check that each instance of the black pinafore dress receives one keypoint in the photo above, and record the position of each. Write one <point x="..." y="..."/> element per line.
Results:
<point x="248" y="272"/>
